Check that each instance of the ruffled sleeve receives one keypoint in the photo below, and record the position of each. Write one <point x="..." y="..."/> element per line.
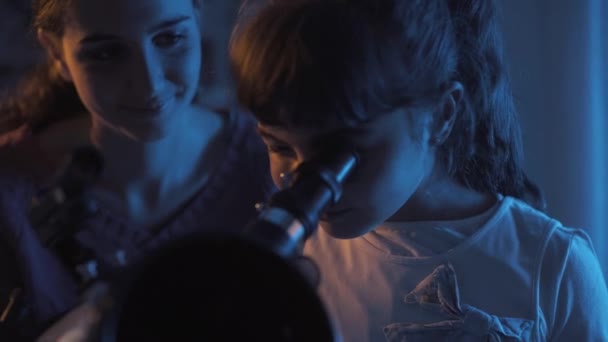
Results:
<point x="572" y="289"/>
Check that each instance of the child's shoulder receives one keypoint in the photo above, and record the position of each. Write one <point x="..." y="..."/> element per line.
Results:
<point x="557" y="241"/>
<point x="523" y="217"/>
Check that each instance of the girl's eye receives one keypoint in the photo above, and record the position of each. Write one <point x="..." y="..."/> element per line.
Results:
<point x="282" y="150"/>
<point x="168" y="39"/>
<point x="104" y="53"/>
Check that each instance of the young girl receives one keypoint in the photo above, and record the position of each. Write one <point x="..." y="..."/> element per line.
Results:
<point x="439" y="234"/>
<point x="122" y="75"/>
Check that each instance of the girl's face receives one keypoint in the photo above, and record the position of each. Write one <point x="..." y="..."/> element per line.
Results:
<point x="395" y="159"/>
<point x="134" y="63"/>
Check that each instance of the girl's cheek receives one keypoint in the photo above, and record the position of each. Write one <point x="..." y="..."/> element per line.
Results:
<point x="277" y="167"/>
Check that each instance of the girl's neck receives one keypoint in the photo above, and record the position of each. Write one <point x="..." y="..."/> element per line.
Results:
<point x="129" y="162"/>
<point x="148" y="180"/>
<point x="145" y="181"/>
<point x="442" y="198"/>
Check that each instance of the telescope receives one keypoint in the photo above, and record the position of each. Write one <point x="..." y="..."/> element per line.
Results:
<point x="253" y="285"/>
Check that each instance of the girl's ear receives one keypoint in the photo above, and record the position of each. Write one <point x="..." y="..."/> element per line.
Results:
<point x="446" y="112"/>
<point x="52" y="47"/>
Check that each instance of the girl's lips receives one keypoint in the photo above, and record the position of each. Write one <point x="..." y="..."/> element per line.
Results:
<point x="153" y="110"/>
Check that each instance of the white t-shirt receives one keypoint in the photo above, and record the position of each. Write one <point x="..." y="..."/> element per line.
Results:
<point x="514" y="272"/>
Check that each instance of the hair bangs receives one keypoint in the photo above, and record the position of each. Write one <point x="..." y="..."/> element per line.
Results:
<point x="302" y="69"/>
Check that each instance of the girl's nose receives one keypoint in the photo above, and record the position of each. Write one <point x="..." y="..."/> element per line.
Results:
<point x="147" y="77"/>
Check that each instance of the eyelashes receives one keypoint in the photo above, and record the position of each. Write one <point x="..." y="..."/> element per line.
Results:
<point x="169" y="39"/>
<point x="284" y="151"/>
<point x="116" y="51"/>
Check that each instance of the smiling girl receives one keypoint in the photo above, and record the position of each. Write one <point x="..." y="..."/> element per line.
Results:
<point x="123" y="76"/>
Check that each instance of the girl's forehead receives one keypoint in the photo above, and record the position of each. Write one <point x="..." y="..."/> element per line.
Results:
<point x="292" y="133"/>
<point x="301" y="135"/>
<point x="311" y="133"/>
<point x="401" y="122"/>
<point x="323" y="127"/>
<point x="124" y="16"/>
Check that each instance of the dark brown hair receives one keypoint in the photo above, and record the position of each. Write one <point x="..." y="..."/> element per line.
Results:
<point x="316" y="62"/>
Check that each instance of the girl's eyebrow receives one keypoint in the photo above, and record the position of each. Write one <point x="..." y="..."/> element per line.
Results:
<point x="267" y="135"/>
<point x="169" y="23"/>
<point x="100" y="37"/>
<point x="348" y="132"/>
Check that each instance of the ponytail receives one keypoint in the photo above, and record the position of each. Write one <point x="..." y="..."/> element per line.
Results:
<point x="490" y="153"/>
